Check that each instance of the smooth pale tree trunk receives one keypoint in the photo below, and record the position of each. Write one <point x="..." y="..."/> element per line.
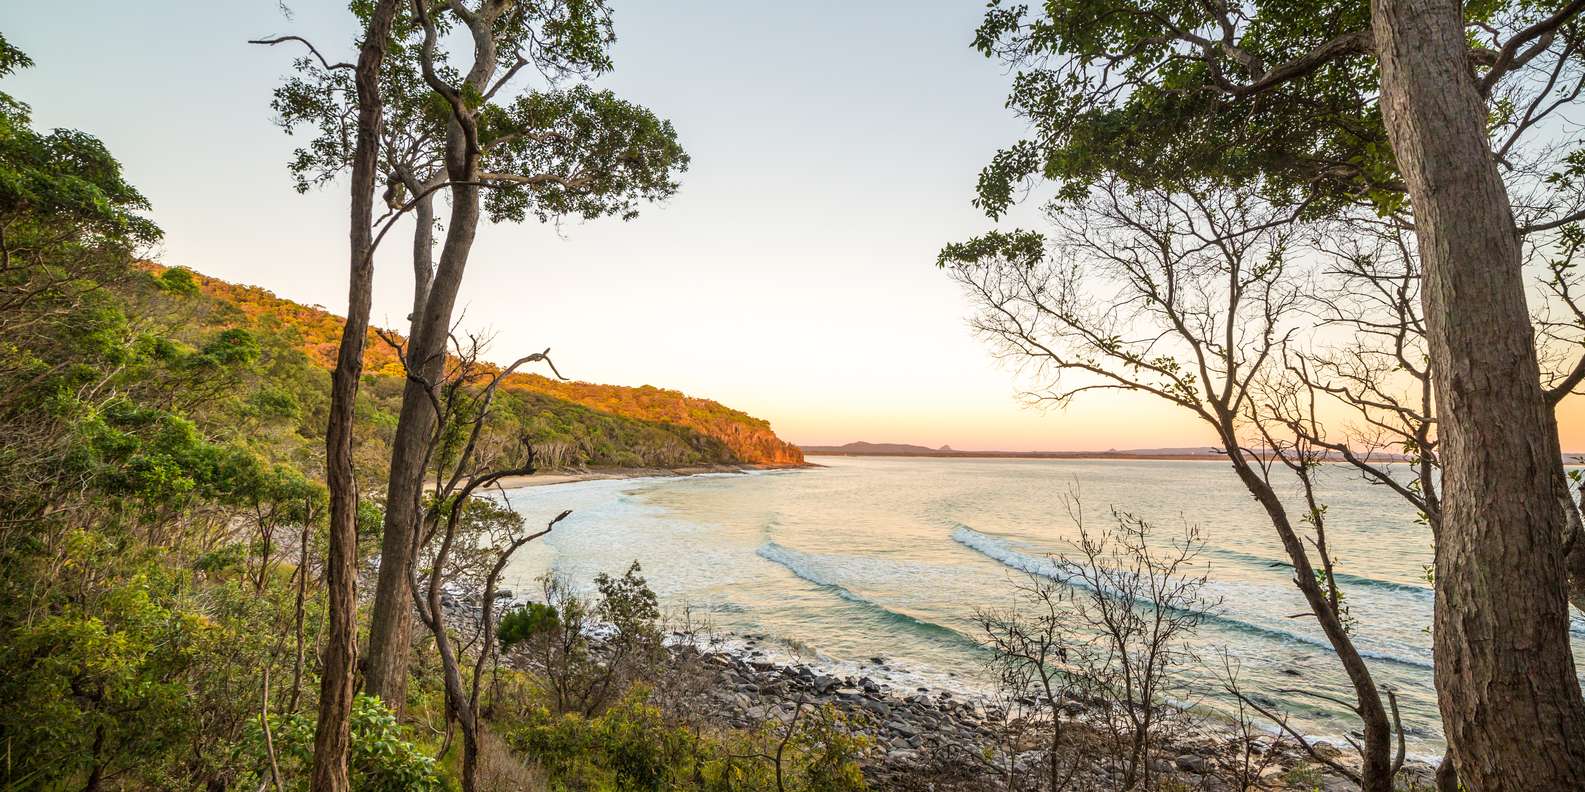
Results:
<point x="391" y="624"/>
<point x="332" y="741"/>
<point x="423" y="247"/>
<point x="1505" y="677"/>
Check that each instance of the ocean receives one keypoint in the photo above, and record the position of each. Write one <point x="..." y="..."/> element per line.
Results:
<point x="888" y="558"/>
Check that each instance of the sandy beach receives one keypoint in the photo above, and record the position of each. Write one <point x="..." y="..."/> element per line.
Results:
<point x="569" y="476"/>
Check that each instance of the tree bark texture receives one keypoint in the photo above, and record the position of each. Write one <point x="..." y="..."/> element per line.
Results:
<point x="390" y="630"/>
<point x="1505" y="677"/>
<point x="332" y="740"/>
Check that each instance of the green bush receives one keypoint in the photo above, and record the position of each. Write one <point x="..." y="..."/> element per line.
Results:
<point x="631" y="747"/>
<point x="382" y="760"/>
<point x="521" y="624"/>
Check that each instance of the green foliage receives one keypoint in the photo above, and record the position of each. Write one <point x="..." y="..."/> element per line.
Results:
<point x="557" y="152"/>
<point x="632" y="747"/>
<point x="383" y="758"/>
<point x="177" y="280"/>
<point x="1120" y="90"/>
<point x="132" y="470"/>
<point x="1019" y="248"/>
<point x="611" y="155"/>
<point x="629" y="747"/>
<point x="628" y="604"/>
<point x="579" y="673"/>
<point x="523" y="624"/>
<point x="61" y="178"/>
<point x="103" y="684"/>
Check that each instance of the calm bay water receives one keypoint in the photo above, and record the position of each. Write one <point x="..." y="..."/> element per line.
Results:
<point x="889" y="557"/>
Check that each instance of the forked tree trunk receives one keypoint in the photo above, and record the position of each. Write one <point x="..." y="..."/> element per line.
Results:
<point x="1505" y="677"/>
<point x="332" y="741"/>
<point x="391" y="624"/>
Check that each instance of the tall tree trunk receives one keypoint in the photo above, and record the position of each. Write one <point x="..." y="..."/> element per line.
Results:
<point x="423" y="244"/>
<point x="390" y="623"/>
<point x="1505" y="677"/>
<point x="390" y="629"/>
<point x="332" y="740"/>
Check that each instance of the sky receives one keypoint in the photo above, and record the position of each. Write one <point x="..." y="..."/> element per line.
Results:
<point x="835" y="148"/>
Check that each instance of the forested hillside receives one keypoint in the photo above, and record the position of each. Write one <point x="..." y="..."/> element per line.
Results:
<point x="166" y="547"/>
<point x="571" y="424"/>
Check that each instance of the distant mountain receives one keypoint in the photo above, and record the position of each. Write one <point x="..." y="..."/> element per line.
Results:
<point x="876" y="449"/>
<point x="904" y="449"/>
<point x="570" y="423"/>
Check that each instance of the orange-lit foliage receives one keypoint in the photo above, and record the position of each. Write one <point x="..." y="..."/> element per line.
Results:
<point x="750" y="439"/>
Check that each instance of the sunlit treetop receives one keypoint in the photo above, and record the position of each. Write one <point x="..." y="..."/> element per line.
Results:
<point x="551" y="152"/>
<point x="578" y="152"/>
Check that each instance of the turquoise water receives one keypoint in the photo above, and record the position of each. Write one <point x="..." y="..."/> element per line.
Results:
<point x="880" y="557"/>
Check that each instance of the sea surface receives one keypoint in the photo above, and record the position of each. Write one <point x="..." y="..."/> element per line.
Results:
<point x="889" y="558"/>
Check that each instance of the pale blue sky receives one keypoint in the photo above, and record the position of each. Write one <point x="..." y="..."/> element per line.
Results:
<point x="835" y="148"/>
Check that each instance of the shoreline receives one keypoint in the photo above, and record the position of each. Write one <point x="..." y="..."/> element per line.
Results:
<point x="948" y="734"/>
<point x="552" y="477"/>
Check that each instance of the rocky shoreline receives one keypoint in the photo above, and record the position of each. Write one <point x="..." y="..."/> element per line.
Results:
<point x="929" y="735"/>
<point x="945" y="740"/>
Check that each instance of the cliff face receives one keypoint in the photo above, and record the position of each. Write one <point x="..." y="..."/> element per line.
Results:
<point x="749" y="440"/>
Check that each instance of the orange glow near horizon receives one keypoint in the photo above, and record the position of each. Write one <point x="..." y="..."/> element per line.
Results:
<point x="1115" y="421"/>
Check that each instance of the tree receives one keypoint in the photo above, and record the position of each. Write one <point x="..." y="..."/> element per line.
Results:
<point x="1156" y="92"/>
<point x="1141" y="605"/>
<point x="476" y="539"/>
<point x="332" y="731"/>
<point x="555" y="153"/>
<point x="1186" y="295"/>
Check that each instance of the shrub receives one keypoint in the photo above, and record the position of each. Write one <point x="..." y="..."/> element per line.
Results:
<point x="522" y="624"/>
<point x="382" y="760"/>
<point x="581" y="674"/>
<point x="631" y="747"/>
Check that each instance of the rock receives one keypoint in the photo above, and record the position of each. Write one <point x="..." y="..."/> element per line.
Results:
<point x="1193" y="763"/>
<point x="903" y="727"/>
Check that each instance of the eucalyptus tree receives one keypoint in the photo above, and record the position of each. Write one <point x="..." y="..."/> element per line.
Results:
<point x="332" y="736"/>
<point x="321" y="99"/>
<point x="549" y="154"/>
<point x="1187" y="295"/>
<point x="1416" y="107"/>
<point x="467" y="131"/>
